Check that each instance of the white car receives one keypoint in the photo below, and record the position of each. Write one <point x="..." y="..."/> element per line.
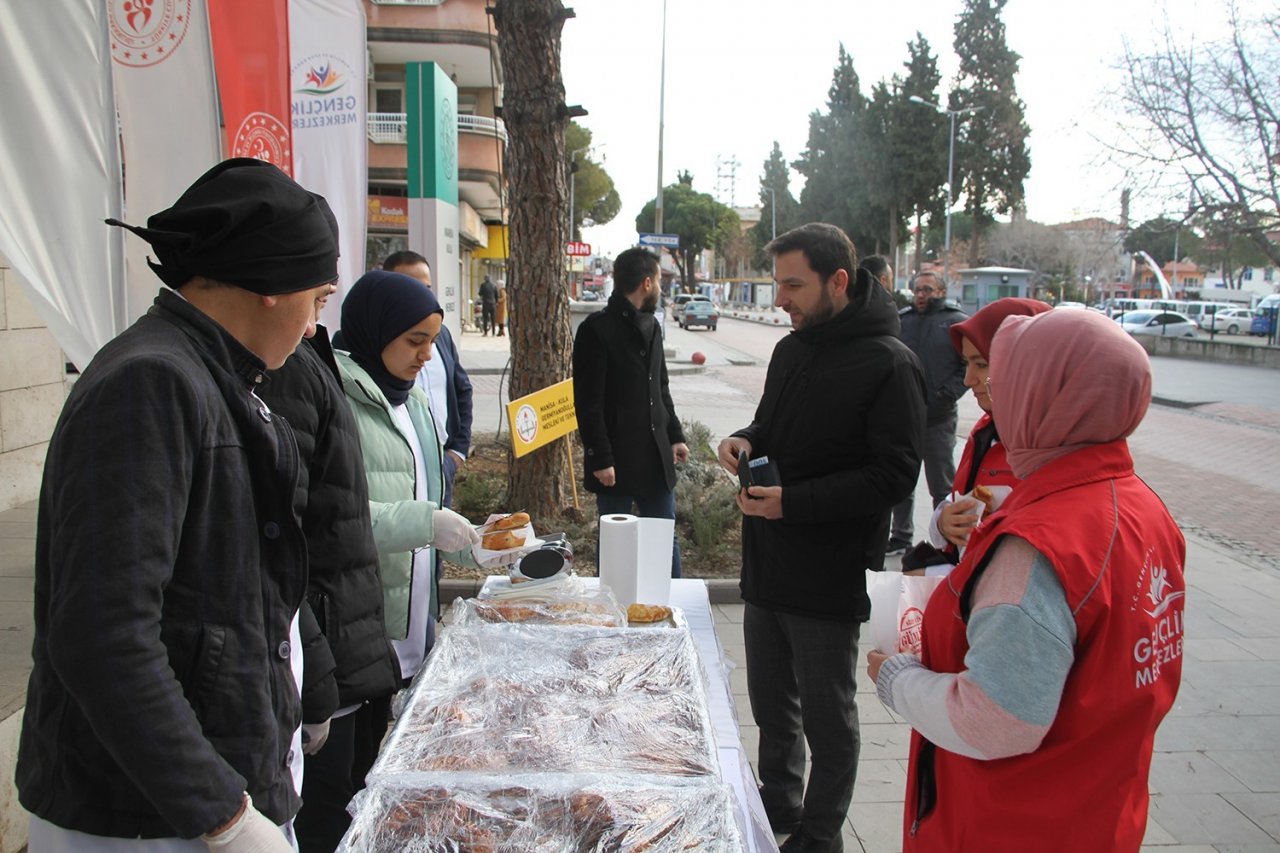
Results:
<point x="680" y="300"/>
<point x="1229" y="320"/>
<point x="1164" y="323"/>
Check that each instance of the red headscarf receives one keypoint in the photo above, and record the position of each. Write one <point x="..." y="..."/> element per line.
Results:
<point x="981" y="327"/>
<point x="1062" y="381"/>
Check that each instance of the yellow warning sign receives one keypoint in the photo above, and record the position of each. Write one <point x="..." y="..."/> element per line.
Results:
<point x="541" y="417"/>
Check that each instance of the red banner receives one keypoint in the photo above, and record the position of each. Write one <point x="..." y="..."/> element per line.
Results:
<point x="251" y="61"/>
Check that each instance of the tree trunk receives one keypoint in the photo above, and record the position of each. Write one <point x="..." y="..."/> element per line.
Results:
<point x="893" y="237"/>
<point x="541" y="344"/>
<point x="919" y="245"/>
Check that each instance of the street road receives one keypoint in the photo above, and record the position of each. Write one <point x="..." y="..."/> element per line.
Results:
<point x="1214" y="457"/>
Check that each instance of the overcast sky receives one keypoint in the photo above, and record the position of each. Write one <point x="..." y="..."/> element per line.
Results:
<point x="742" y="74"/>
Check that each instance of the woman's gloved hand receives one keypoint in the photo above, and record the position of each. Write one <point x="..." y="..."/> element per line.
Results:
<point x="250" y="832"/>
<point x="452" y="531"/>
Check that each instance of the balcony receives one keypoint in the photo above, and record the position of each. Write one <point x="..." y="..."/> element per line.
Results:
<point x="391" y="127"/>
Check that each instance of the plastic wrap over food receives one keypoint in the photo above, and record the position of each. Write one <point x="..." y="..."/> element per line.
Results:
<point x="564" y="813"/>
<point x="534" y="698"/>
<point x="563" y="604"/>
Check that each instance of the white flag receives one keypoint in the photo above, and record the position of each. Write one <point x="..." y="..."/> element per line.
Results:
<point x="60" y="169"/>
<point x="163" y="69"/>
<point x="330" y="154"/>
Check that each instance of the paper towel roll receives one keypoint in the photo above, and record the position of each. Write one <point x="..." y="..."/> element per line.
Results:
<point x="635" y="558"/>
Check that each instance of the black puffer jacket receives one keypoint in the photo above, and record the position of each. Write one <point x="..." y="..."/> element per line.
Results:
<point x="843" y="417"/>
<point x="343" y="587"/>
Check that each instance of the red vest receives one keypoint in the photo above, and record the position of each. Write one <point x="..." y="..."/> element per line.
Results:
<point x="1119" y="557"/>
<point x="993" y="468"/>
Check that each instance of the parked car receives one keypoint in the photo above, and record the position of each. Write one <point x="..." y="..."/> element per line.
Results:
<point x="682" y="299"/>
<point x="1166" y="323"/>
<point x="590" y="296"/>
<point x="1262" y="320"/>
<point x="699" y="312"/>
<point x="1229" y="320"/>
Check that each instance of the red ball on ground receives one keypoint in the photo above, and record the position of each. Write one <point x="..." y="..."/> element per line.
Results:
<point x="698" y="358"/>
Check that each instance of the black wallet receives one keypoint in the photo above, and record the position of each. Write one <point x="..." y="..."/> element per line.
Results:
<point x="757" y="472"/>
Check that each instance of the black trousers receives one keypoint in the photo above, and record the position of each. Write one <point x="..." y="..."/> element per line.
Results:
<point x="332" y="776"/>
<point x="801" y="683"/>
<point x="487" y="310"/>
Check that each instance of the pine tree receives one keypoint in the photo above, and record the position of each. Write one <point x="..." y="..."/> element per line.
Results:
<point x="777" y="204"/>
<point x="991" y="160"/>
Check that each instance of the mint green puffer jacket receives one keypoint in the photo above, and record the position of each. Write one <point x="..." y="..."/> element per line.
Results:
<point x="400" y="523"/>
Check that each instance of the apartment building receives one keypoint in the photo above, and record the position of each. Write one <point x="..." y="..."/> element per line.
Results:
<point x="460" y="38"/>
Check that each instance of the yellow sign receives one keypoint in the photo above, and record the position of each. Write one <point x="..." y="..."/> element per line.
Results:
<point x="541" y="417"/>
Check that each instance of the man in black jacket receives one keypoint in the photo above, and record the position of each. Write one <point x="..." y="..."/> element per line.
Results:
<point x="344" y="588"/>
<point x="631" y="437"/>
<point x="842" y="417"/>
<point x="926" y="329"/>
<point x="170" y="565"/>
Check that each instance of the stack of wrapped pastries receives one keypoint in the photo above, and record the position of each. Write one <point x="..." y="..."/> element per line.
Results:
<point x="521" y="737"/>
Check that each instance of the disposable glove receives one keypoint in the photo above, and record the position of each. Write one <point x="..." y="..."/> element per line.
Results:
<point x="452" y="531"/>
<point x="252" y="832"/>
<point x="313" y="737"/>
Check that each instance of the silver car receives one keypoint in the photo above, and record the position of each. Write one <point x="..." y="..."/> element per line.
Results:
<point x="1165" y="323"/>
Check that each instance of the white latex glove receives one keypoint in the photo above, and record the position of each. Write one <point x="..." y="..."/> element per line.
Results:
<point x="452" y="531"/>
<point x="313" y="737"/>
<point x="252" y="832"/>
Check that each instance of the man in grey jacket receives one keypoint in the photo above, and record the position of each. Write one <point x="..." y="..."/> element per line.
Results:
<point x="926" y="329"/>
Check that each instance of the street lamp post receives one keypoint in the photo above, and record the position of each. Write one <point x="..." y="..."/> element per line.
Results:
<point x="951" y="162"/>
<point x="662" y="100"/>
<point x="773" y="221"/>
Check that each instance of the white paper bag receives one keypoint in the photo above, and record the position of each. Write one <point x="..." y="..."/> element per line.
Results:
<point x="897" y="609"/>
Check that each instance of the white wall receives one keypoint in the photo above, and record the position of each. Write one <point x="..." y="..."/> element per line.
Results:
<point x="32" y="391"/>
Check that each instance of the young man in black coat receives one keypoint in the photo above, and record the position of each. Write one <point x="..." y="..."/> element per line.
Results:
<point x="344" y="588"/>
<point x="842" y="417"/>
<point x="631" y="437"/>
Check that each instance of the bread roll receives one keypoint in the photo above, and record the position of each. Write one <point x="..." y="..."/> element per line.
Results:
<point x="984" y="494"/>
<point x="514" y="521"/>
<point x="501" y="540"/>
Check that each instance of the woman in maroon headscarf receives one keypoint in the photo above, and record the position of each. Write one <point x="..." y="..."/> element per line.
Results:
<point x="983" y="461"/>
<point x="1054" y="649"/>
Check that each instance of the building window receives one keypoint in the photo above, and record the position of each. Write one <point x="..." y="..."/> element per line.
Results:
<point x="1268" y="274"/>
<point x="1248" y="273"/>
<point x="388" y="99"/>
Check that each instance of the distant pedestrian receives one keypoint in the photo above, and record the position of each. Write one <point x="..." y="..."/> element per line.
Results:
<point x="1055" y="648"/>
<point x="488" y="305"/>
<point x="842" y="418"/>
<point x="500" y="311"/>
<point x="926" y="326"/>
<point x="631" y="437"/>
<point x="881" y="270"/>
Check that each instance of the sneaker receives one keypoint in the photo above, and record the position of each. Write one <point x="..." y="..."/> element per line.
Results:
<point x="896" y="548"/>
<point x="803" y="842"/>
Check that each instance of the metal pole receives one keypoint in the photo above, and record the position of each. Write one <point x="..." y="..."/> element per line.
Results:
<point x="662" y="102"/>
<point x="951" y="163"/>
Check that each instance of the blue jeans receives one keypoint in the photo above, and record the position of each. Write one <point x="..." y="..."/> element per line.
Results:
<point x="654" y="506"/>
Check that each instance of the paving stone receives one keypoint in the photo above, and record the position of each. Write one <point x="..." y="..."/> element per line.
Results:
<point x="1262" y="809"/>
<point x="878" y="826"/>
<point x="1258" y="768"/>
<point x="1190" y="773"/>
<point x="880" y="780"/>
<point x="1205" y="819"/>
<point x="1218" y="650"/>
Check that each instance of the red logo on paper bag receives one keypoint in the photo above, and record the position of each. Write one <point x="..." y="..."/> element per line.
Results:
<point x="263" y="137"/>
<point x="146" y="32"/>
<point x="909" y="630"/>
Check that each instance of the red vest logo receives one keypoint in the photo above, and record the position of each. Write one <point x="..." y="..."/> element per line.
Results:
<point x="264" y="137"/>
<point x="146" y="32"/>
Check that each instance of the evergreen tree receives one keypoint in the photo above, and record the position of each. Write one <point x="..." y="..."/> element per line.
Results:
<point x="991" y="160"/>
<point x="700" y="220"/>
<point x="595" y="199"/>
<point x="918" y="140"/>
<point x="777" y="204"/>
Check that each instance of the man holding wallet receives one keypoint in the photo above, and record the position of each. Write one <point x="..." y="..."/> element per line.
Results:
<point x="841" y="423"/>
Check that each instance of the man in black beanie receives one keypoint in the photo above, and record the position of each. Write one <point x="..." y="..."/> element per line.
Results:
<point x="170" y="564"/>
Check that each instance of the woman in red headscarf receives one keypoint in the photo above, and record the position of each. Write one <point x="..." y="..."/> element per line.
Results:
<point x="1054" y="649"/>
<point x="983" y="461"/>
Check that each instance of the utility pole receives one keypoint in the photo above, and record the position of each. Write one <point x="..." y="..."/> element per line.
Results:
<point x="662" y="102"/>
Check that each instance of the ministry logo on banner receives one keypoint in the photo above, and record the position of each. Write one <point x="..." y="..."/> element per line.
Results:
<point x="262" y="136"/>
<point x="323" y="93"/>
<point x="146" y="32"/>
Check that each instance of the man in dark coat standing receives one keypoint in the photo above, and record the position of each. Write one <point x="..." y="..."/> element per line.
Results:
<point x="842" y="417"/>
<point x="631" y="436"/>
<point x="488" y="304"/>
<point x="926" y="329"/>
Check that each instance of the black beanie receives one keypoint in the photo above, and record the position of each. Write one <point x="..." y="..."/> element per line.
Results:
<point x="246" y="223"/>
